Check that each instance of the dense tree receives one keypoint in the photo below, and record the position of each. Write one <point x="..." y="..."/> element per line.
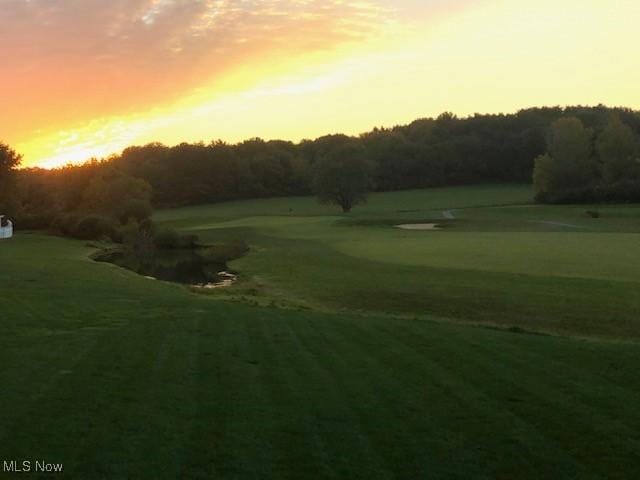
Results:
<point x="617" y="149"/>
<point x="9" y="160"/>
<point x="117" y="195"/>
<point x="545" y="177"/>
<point x="342" y="175"/>
<point x="569" y="142"/>
<point x="428" y="152"/>
<point x="394" y="156"/>
<point x="567" y="172"/>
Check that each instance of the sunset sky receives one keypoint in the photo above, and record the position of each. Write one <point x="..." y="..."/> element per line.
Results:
<point x="86" y="78"/>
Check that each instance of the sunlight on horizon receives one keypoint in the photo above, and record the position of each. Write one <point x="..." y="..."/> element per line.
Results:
<point x="364" y="65"/>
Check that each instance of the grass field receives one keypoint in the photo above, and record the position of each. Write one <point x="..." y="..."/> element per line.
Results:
<point x="501" y="261"/>
<point x="118" y="376"/>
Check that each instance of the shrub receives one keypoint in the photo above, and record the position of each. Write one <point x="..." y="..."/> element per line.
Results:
<point x="138" y="238"/>
<point x="167" y="239"/>
<point x="128" y="231"/>
<point x="189" y="241"/>
<point x="94" y="227"/>
<point x="586" y="194"/>
<point x="621" y="191"/>
<point x="34" y="221"/>
<point x="133" y="209"/>
<point x="65" y="224"/>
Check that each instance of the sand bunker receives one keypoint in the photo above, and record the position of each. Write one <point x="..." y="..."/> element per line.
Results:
<point x="419" y="226"/>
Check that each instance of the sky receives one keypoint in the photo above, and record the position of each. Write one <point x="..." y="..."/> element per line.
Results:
<point x="87" y="78"/>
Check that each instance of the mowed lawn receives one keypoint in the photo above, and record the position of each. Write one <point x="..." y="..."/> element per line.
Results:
<point x="499" y="259"/>
<point x="117" y="376"/>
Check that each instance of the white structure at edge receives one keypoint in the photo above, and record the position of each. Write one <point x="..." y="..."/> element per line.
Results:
<point x="6" y="228"/>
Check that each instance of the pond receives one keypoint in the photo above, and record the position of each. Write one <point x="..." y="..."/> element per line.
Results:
<point x="185" y="266"/>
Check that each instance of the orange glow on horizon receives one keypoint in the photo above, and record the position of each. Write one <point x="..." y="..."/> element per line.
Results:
<point x="296" y="69"/>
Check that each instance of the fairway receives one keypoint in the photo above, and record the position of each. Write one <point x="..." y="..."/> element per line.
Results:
<point x="282" y="376"/>
<point x="496" y="259"/>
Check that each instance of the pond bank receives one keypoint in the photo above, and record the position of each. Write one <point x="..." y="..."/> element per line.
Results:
<point x="204" y="267"/>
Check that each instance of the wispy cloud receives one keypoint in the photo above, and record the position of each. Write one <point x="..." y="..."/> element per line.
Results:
<point x="81" y="78"/>
<point x="67" y="60"/>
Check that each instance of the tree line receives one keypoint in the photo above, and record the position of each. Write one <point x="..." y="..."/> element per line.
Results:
<point x="574" y="151"/>
<point x="589" y="165"/>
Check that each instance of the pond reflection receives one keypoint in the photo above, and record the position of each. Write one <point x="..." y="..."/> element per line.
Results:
<point x="173" y="265"/>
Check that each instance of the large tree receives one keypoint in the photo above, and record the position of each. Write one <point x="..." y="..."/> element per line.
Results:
<point x="9" y="160"/>
<point x="567" y="171"/>
<point x="342" y="174"/>
<point x="118" y="195"/>
<point x="617" y="149"/>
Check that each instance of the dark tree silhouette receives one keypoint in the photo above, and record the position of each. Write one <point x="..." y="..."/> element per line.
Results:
<point x="617" y="148"/>
<point x="567" y="172"/>
<point x="428" y="152"/>
<point x="342" y="174"/>
<point x="9" y="160"/>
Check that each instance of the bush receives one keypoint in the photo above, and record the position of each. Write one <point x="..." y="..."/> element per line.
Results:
<point x="138" y="238"/>
<point x="128" y="232"/>
<point x="34" y="221"/>
<point x="65" y="224"/>
<point x="189" y="241"/>
<point x="622" y="191"/>
<point x="138" y="210"/>
<point x="167" y="239"/>
<point x="95" y="227"/>
<point x="585" y="194"/>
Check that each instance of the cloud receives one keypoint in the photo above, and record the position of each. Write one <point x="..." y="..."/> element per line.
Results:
<point x="67" y="61"/>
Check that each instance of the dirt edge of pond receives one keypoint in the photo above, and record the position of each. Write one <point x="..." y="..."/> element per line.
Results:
<point x="419" y="226"/>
